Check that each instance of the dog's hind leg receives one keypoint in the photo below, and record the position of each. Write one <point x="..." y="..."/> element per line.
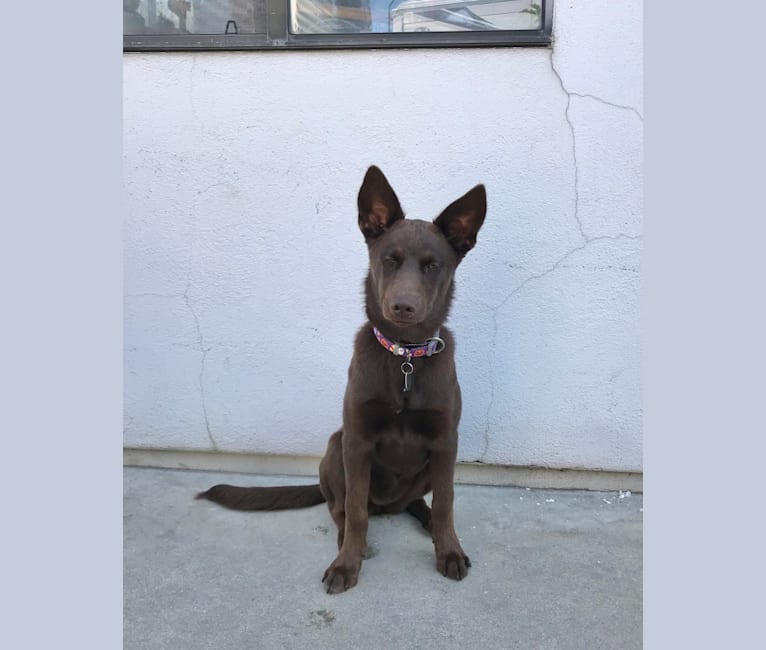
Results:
<point x="339" y="517"/>
<point x="332" y="483"/>
<point x="337" y="512"/>
<point x="420" y="510"/>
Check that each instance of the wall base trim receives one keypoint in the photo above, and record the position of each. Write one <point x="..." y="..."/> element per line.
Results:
<point x="466" y="473"/>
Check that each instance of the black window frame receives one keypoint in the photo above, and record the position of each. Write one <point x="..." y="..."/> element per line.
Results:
<point x="278" y="37"/>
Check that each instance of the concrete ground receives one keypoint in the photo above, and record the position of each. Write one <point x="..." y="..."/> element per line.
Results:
<point x="550" y="569"/>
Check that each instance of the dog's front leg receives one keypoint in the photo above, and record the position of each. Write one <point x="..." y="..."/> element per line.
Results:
<point x="451" y="561"/>
<point x="343" y="573"/>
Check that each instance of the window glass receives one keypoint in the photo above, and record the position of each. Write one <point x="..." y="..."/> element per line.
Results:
<point x="193" y="16"/>
<point x="329" y="16"/>
<point x="385" y="16"/>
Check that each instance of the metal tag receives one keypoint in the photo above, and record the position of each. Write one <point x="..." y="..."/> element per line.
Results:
<point x="407" y="369"/>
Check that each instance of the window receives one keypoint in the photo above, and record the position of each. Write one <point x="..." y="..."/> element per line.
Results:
<point x="306" y="24"/>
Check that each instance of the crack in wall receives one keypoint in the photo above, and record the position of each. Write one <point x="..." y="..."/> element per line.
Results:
<point x="563" y="258"/>
<point x="553" y="267"/>
<point x="210" y="187"/>
<point x="614" y="377"/>
<point x="191" y="94"/>
<point x="601" y="100"/>
<point x="604" y="101"/>
<point x="569" y="95"/>
<point x="574" y="149"/>
<point x="204" y="351"/>
<point x="587" y="240"/>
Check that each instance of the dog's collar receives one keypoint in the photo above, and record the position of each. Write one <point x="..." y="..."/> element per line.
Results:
<point x="431" y="346"/>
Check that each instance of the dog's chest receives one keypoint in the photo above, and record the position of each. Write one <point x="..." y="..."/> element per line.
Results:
<point x="402" y="438"/>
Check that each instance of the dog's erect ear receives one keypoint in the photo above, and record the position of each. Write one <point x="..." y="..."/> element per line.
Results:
<point x="462" y="219"/>
<point x="378" y="206"/>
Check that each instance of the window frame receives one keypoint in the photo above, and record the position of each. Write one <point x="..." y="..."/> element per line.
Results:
<point x="278" y="37"/>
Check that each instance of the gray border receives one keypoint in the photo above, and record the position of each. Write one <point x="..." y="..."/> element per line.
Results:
<point x="61" y="325"/>
<point x="705" y="327"/>
<point x="278" y="37"/>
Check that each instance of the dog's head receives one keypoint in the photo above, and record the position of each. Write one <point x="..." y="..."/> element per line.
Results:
<point x="412" y="262"/>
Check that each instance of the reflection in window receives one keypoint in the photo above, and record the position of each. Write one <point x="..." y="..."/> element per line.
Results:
<point x="193" y="16"/>
<point x="362" y="16"/>
<point x="330" y="16"/>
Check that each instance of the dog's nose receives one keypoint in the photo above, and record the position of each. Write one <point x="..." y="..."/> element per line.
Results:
<point x="403" y="310"/>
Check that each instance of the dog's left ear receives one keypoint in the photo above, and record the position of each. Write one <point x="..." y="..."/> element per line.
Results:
<point x="461" y="220"/>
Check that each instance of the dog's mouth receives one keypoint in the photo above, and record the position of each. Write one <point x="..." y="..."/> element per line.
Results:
<point x="402" y="322"/>
<point x="399" y="320"/>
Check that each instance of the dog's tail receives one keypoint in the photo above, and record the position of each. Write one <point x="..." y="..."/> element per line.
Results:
<point x="264" y="498"/>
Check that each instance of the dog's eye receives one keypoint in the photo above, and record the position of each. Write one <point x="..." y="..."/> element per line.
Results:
<point x="391" y="261"/>
<point x="431" y="266"/>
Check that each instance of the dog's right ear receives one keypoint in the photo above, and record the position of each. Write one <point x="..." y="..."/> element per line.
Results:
<point x="378" y="206"/>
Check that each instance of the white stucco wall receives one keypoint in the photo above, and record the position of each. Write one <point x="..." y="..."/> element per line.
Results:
<point x="243" y="262"/>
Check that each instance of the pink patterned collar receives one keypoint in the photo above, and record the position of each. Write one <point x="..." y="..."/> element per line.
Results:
<point x="432" y="345"/>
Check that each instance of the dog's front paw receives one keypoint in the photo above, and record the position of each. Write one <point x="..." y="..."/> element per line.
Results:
<point x="453" y="564"/>
<point x="341" y="576"/>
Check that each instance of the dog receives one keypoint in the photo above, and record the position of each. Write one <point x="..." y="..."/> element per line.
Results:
<point x="402" y="404"/>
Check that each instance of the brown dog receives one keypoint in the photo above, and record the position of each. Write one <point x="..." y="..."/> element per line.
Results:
<point x="402" y="403"/>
